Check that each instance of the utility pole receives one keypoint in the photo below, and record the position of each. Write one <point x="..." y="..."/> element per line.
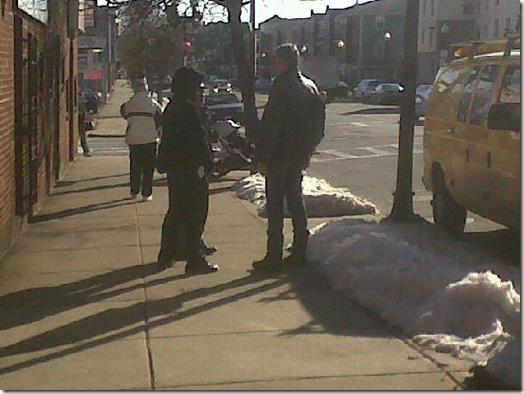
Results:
<point x="403" y="195"/>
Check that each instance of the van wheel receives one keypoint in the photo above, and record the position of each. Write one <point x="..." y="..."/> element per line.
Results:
<point x="448" y="215"/>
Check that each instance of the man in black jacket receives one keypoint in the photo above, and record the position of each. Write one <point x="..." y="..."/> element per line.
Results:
<point x="286" y="140"/>
<point x="186" y="156"/>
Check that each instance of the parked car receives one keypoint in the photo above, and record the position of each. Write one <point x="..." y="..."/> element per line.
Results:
<point x="365" y="88"/>
<point x="235" y="83"/>
<point x="423" y="94"/>
<point x="220" y="85"/>
<point x="91" y="100"/>
<point x="472" y="135"/>
<point x="221" y="106"/>
<point x="340" y="91"/>
<point x="263" y="86"/>
<point x="386" y="93"/>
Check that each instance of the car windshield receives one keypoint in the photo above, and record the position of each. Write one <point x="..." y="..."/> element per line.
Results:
<point x="220" y="99"/>
<point x="390" y="87"/>
<point x="373" y="84"/>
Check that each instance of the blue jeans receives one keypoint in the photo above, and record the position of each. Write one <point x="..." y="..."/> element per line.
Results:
<point x="278" y="187"/>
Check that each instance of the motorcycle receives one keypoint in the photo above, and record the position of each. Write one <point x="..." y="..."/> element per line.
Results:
<point x="231" y="151"/>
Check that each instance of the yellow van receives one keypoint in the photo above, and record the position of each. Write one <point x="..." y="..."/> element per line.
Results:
<point x="472" y="139"/>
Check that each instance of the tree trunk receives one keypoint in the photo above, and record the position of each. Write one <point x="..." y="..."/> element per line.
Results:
<point x="245" y="68"/>
<point x="403" y="196"/>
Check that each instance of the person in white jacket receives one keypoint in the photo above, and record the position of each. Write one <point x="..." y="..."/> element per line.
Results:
<point x="143" y="115"/>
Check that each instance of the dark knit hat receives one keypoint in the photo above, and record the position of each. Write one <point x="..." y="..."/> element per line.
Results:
<point x="186" y="79"/>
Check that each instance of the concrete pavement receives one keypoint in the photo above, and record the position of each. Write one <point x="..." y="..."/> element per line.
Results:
<point x="82" y="307"/>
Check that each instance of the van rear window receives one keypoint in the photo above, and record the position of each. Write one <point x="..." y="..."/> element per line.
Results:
<point x="510" y="92"/>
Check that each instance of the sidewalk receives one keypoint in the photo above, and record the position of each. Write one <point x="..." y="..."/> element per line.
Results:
<point x="82" y="307"/>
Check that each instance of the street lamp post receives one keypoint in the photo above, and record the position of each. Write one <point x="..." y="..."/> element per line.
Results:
<point x="387" y="48"/>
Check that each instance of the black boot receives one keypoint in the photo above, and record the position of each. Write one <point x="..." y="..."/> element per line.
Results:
<point x="200" y="267"/>
<point x="268" y="264"/>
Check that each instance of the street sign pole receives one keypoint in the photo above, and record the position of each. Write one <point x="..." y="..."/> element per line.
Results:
<point x="403" y="195"/>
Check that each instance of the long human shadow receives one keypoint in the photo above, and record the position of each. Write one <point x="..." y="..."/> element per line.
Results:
<point x="87" y="330"/>
<point x="80" y="210"/>
<point x="49" y="301"/>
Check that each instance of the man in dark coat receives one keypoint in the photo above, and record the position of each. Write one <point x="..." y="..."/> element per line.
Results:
<point x="286" y="140"/>
<point x="186" y="156"/>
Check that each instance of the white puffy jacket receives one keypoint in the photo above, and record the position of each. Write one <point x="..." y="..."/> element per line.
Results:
<point x="140" y="112"/>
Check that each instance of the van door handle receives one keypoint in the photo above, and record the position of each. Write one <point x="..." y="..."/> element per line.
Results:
<point x="467" y="155"/>
<point x="489" y="159"/>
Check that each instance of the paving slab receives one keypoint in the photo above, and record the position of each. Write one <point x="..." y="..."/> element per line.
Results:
<point x="114" y="365"/>
<point x="199" y="360"/>
<point x="406" y="381"/>
<point x="21" y="262"/>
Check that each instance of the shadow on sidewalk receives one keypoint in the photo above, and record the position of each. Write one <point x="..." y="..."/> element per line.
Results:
<point x="93" y="189"/>
<point x="119" y="323"/>
<point x="71" y="183"/>
<point x="80" y="210"/>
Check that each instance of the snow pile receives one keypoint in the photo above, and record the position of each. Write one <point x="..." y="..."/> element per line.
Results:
<point x="444" y="293"/>
<point x="322" y="199"/>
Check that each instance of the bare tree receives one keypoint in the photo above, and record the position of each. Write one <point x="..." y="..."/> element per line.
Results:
<point x="231" y="9"/>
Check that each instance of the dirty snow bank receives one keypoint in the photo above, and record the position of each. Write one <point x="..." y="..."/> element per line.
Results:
<point x="322" y="199"/>
<point x="444" y="293"/>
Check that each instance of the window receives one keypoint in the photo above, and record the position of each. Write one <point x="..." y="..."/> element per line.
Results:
<point x="380" y="48"/>
<point x="432" y="7"/>
<point x="482" y="100"/>
<point x="379" y="22"/>
<point x="466" y="95"/>
<point x="495" y="28"/>
<point x="511" y="86"/>
<point x="423" y="7"/>
<point x="470" y="7"/>
<point x="423" y="36"/>
<point x="508" y="23"/>
<point x="497" y="2"/>
<point x="432" y="36"/>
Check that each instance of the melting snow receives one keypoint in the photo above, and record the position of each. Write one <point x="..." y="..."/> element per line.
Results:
<point x="444" y="293"/>
<point x="322" y="199"/>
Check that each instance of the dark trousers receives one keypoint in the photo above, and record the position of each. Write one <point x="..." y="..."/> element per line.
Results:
<point x="289" y="187"/>
<point x="188" y="208"/>
<point x="83" y="140"/>
<point x="142" y="168"/>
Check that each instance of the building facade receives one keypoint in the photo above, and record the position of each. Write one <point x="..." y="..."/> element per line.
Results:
<point x="366" y="40"/>
<point x="97" y="55"/>
<point x="38" y="90"/>
<point x="499" y="18"/>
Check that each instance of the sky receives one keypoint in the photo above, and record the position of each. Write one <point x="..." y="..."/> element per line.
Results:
<point x="265" y="9"/>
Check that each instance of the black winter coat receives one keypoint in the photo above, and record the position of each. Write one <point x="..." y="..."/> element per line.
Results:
<point x="291" y="124"/>
<point x="185" y="145"/>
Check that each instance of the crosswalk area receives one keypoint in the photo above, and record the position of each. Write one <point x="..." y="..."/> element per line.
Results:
<point x="368" y="152"/>
<point x="106" y="146"/>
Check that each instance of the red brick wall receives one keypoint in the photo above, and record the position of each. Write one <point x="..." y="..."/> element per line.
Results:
<point x="7" y="173"/>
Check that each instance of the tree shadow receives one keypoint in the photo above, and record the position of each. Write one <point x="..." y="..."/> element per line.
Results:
<point x="80" y="210"/>
<point x="93" y="189"/>
<point x="70" y="183"/>
<point x="374" y="111"/>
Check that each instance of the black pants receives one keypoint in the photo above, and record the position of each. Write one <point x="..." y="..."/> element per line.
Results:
<point x="279" y="187"/>
<point x="188" y="208"/>
<point x="142" y="168"/>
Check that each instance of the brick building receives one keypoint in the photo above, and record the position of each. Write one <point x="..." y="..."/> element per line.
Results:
<point x="38" y="106"/>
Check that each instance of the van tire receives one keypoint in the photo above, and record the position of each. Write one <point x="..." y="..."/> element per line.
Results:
<point x="447" y="214"/>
